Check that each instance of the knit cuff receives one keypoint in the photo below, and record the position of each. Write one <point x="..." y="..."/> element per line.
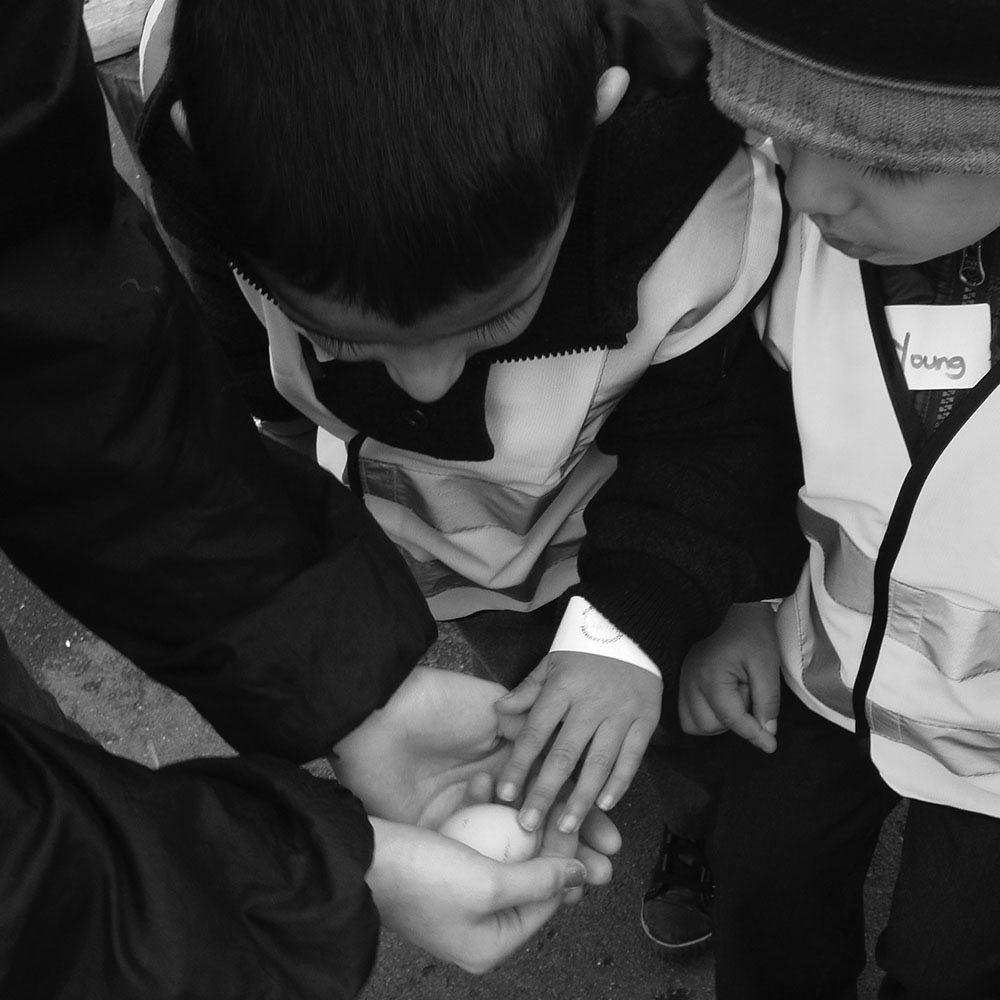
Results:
<point x="873" y="120"/>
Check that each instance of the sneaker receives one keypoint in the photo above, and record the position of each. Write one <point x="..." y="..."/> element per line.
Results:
<point x="677" y="907"/>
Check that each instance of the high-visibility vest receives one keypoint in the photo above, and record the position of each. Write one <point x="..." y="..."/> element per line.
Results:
<point x="504" y="533"/>
<point x="896" y="619"/>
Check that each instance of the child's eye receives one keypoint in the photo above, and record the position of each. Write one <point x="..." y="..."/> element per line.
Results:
<point x="334" y="349"/>
<point x="889" y="175"/>
<point x="500" y="327"/>
<point x="489" y="335"/>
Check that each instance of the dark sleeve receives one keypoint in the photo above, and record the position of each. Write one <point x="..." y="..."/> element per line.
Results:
<point x="701" y="509"/>
<point x="226" y="879"/>
<point x="227" y="317"/>
<point x="135" y="488"/>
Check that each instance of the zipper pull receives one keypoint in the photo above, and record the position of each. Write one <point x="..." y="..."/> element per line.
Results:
<point x="971" y="271"/>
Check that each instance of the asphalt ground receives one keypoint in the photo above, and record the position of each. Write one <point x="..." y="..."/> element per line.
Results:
<point x="591" y="951"/>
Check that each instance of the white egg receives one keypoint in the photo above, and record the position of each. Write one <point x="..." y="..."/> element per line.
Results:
<point x="493" y="830"/>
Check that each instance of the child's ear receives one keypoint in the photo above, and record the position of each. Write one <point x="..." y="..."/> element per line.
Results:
<point x="178" y="116"/>
<point x="611" y="89"/>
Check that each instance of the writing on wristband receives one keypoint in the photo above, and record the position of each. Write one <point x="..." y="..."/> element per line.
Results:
<point x="584" y="629"/>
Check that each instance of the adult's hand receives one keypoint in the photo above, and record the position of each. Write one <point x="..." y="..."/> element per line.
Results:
<point x="457" y="904"/>
<point x="438" y="745"/>
<point x="414" y="760"/>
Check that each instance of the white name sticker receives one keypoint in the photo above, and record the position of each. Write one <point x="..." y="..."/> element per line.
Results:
<point x="941" y="347"/>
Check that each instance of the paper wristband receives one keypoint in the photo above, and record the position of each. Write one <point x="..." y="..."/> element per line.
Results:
<point x="584" y="629"/>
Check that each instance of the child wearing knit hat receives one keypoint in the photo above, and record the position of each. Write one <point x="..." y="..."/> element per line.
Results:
<point x="884" y="121"/>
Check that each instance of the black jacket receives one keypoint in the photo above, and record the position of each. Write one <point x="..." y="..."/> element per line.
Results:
<point x="135" y="490"/>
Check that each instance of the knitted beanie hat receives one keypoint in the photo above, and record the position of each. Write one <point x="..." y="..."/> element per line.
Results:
<point x="898" y="84"/>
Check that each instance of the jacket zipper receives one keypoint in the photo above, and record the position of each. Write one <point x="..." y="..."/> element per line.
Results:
<point x="971" y="271"/>
<point x="972" y="275"/>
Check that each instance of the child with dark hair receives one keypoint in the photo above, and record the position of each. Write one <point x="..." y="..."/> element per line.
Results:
<point x="885" y="121"/>
<point x="508" y="253"/>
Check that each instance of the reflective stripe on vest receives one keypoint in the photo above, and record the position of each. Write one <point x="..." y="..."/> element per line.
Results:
<point x="474" y="544"/>
<point x="960" y="642"/>
<point x="965" y="752"/>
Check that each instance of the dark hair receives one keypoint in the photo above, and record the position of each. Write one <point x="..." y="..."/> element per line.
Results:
<point x="395" y="152"/>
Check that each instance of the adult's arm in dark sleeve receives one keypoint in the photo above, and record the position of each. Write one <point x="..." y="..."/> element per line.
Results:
<point x="224" y="879"/>
<point x="135" y="488"/>
<point x="701" y="509"/>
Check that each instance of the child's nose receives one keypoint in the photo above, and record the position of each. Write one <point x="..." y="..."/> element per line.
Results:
<point x="426" y="377"/>
<point x="814" y="185"/>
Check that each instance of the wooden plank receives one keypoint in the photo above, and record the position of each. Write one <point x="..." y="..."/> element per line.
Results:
<point x="114" y="26"/>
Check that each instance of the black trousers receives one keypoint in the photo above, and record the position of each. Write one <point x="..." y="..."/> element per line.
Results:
<point x="793" y="839"/>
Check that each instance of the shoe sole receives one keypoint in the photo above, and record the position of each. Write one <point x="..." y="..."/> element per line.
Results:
<point x="675" y="952"/>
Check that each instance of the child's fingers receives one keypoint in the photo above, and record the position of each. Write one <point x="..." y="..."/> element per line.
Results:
<point x="530" y="742"/>
<point x="605" y="748"/>
<point x="697" y="717"/>
<point x="765" y="697"/>
<point x="562" y="757"/>
<point x="629" y="758"/>
<point x="733" y="712"/>
<point x="521" y="698"/>
<point x="753" y="732"/>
